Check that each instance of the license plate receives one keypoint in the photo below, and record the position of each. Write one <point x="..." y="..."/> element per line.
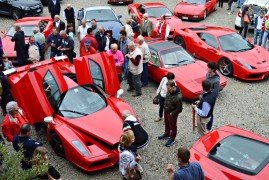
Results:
<point x="120" y="2"/>
<point x="184" y="17"/>
<point x="39" y="10"/>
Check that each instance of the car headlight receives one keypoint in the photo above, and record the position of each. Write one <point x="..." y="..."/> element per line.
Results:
<point x="79" y="146"/>
<point x="244" y="64"/>
<point x="25" y="8"/>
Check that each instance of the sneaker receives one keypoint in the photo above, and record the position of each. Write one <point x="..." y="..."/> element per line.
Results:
<point x="230" y="13"/>
<point x="158" y="119"/>
<point x="170" y="142"/>
<point x="162" y="137"/>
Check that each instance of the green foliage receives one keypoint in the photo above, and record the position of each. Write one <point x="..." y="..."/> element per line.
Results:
<point x="11" y="167"/>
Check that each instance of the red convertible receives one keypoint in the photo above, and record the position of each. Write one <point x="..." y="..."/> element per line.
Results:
<point x="27" y="24"/>
<point x="195" y="9"/>
<point x="155" y="10"/>
<point x="189" y="73"/>
<point x="120" y="1"/>
<point x="234" y="55"/>
<point x="232" y="153"/>
<point x="82" y="111"/>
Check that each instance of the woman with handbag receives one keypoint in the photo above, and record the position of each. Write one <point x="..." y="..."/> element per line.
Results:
<point x="245" y="21"/>
<point x="161" y="93"/>
<point x="129" y="161"/>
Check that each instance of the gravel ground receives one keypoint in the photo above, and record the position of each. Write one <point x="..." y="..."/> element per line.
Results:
<point x="242" y="104"/>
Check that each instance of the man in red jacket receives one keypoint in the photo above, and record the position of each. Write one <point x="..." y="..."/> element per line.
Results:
<point x="90" y="37"/>
<point x="163" y="27"/>
<point x="87" y="49"/>
<point x="13" y="121"/>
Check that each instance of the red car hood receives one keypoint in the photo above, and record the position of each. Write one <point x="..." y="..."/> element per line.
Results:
<point x="186" y="8"/>
<point x="106" y="125"/>
<point x="257" y="57"/>
<point x="8" y="47"/>
<point x="173" y="21"/>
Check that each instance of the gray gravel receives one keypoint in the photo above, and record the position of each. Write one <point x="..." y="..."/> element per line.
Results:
<point x="242" y="104"/>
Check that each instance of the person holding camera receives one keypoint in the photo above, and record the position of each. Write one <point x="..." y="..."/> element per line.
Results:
<point x="204" y="108"/>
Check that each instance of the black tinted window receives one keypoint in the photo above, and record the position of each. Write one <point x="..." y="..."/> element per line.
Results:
<point x="209" y="39"/>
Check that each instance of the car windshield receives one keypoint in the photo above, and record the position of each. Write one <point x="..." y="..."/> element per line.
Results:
<point x="28" y="31"/>
<point x="234" y="43"/>
<point x="194" y="1"/>
<point x="156" y="12"/>
<point x="256" y="9"/>
<point x="79" y="101"/>
<point x="241" y="154"/>
<point x="176" y="57"/>
<point x="100" y="15"/>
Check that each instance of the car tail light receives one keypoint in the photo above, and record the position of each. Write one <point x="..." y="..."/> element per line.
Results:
<point x="239" y="14"/>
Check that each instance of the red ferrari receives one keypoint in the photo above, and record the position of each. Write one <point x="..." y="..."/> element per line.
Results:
<point x="195" y="9"/>
<point x="189" y="73"/>
<point x="120" y="1"/>
<point x="232" y="153"/>
<point x="27" y="24"/>
<point x="234" y="55"/>
<point x="82" y="111"/>
<point x="155" y="10"/>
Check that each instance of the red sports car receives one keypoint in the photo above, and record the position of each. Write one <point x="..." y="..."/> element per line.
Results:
<point x="195" y="9"/>
<point x="82" y="111"/>
<point x="167" y="56"/>
<point x="234" y="55"/>
<point x="232" y="153"/>
<point x="27" y="24"/>
<point x="155" y="10"/>
<point x="120" y="1"/>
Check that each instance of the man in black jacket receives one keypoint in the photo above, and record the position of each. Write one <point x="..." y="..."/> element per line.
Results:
<point x="58" y="23"/>
<point x="204" y="108"/>
<point x="54" y="8"/>
<point x="18" y="38"/>
<point x="101" y="39"/>
<point x="69" y="15"/>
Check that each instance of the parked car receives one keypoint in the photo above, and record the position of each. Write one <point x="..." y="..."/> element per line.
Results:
<point x="21" y="8"/>
<point x="234" y="55"/>
<point x="120" y="1"/>
<point x="78" y="102"/>
<point x="256" y="9"/>
<point x="44" y="23"/>
<point x="232" y="153"/>
<point x="195" y="9"/>
<point x="104" y="16"/>
<point x="189" y="73"/>
<point x="155" y="10"/>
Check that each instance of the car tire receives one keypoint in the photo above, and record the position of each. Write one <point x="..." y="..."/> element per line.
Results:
<point x="225" y="67"/>
<point x="57" y="145"/>
<point x="16" y="14"/>
<point x="180" y="41"/>
<point x="205" y="14"/>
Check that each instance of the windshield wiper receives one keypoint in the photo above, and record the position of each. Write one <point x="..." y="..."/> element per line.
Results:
<point x="185" y="60"/>
<point x="172" y="64"/>
<point x="76" y="112"/>
<point x="231" y="50"/>
<point x="242" y="50"/>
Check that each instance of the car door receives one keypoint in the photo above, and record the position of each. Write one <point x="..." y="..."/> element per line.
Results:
<point x="4" y="7"/>
<point x="207" y="48"/>
<point x="98" y="69"/>
<point x="141" y="10"/>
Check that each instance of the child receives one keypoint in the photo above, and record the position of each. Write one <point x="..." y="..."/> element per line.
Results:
<point x="7" y="64"/>
<point x="70" y="31"/>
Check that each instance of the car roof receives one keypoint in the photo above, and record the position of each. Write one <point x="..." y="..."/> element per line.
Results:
<point x="159" y="45"/>
<point x="155" y="4"/>
<point x="97" y="8"/>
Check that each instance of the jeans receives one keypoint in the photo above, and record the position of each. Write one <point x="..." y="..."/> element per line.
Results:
<point x="230" y="4"/>
<point x="161" y="104"/>
<point x="170" y="123"/>
<point x="258" y="33"/>
<point x="232" y="8"/>
<point x="145" y="74"/>
<point x="53" y="54"/>
<point x="125" y="68"/>
<point x="245" y="28"/>
<point x="20" y="58"/>
<point x="264" y="39"/>
<point x="239" y="3"/>
<point x="134" y="82"/>
<point x="210" y="123"/>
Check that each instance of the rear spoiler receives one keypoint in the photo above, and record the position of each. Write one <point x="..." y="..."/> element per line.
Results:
<point x="38" y="64"/>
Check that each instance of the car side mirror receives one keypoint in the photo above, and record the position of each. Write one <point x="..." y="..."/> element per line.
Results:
<point x="119" y="93"/>
<point x="119" y="16"/>
<point x="49" y="119"/>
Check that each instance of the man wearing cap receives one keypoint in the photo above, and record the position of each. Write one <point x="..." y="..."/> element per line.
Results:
<point x="87" y="49"/>
<point x="90" y="37"/>
<point x="146" y="26"/>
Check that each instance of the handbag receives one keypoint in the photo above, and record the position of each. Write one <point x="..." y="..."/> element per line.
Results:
<point x="156" y="99"/>
<point x="246" y="19"/>
<point x="134" y="174"/>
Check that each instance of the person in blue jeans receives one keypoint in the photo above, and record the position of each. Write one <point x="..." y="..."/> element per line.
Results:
<point x="239" y="3"/>
<point x="258" y="28"/>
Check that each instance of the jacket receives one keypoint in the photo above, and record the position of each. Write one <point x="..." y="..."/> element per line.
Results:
<point x="150" y="26"/>
<point x="135" y="64"/>
<point x="117" y="56"/>
<point x="215" y="83"/>
<point x="256" y="20"/>
<point x="145" y="51"/>
<point x="26" y="48"/>
<point x="61" y="26"/>
<point x="163" y="29"/>
<point x="54" y="9"/>
<point x="101" y="39"/>
<point x="135" y="26"/>
<point x="266" y="17"/>
<point x="18" y="38"/>
<point x="56" y="40"/>
<point x="209" y="98"/>
<point x="90" y="37"/>
<point x="173" y="102"/>
<point x="123" y="45"/>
